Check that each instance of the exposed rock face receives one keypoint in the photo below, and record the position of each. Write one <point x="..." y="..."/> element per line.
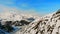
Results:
<point x="49" y="24"/>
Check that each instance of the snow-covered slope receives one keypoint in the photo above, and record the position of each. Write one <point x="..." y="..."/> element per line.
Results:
<point x="9" y="16"/>
<point x="49" y="24"/>
<point x="16" y="19"/>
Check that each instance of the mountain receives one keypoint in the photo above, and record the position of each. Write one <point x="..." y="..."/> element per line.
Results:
<point x="49" y="24"/>
<point x="11" y="16"/>
<point x="14" y="23"/>
<point x="11" y="22"/>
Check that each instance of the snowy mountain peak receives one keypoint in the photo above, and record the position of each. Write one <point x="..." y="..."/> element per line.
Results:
<point x="49" y="24"/>
<point x="10" y="16"/>
<point x="14" y="16"/>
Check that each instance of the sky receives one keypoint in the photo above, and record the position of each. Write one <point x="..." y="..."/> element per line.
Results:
<point x="40" y="7"/>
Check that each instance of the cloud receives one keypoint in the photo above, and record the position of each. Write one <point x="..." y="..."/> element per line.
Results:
<point x="4" y="9"/>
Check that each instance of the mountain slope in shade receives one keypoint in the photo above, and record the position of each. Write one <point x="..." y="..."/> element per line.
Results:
<point x="49" y="24"/>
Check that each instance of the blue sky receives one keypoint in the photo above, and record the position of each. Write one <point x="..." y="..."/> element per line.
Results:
<point x="38" y="6"/>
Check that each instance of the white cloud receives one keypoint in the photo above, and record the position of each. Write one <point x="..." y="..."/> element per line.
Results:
<point x="20" y="11"/>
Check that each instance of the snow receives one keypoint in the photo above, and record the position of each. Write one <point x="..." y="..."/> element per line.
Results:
<point x="48" y="24"/>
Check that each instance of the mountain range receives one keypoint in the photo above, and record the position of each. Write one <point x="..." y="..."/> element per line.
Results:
<point x="14" y="23"/>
